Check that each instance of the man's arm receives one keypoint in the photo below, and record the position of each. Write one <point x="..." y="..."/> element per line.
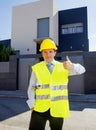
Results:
<point x="31" y="91"/>
<point x="74" y="69"/>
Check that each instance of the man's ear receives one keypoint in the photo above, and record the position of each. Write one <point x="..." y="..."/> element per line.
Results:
<point x="55" y="52"/>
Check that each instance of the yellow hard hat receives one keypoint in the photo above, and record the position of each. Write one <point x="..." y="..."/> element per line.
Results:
<point x="47" y="44"/>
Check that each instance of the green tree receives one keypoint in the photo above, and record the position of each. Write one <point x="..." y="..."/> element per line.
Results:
<point x="5" y="52"/>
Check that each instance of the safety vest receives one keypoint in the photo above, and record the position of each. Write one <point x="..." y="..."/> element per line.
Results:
<point x="52" y="92"/>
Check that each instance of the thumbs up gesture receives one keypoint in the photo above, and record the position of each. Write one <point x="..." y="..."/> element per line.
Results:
<point x="68" y="64"/>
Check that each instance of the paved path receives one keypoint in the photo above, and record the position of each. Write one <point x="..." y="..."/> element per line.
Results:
<point x="80" y="120"/>
<point x="15" y="114"/>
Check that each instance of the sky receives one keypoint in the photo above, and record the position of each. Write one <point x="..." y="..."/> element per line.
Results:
<point x="6" y="16"/>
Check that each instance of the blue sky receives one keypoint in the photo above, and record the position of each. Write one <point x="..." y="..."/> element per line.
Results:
<point x="6" y="16"/>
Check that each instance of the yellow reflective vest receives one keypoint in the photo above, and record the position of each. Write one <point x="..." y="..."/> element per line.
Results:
<point x="52" y="93"/>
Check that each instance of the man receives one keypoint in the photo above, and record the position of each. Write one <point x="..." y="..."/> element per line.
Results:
<point x="47" y="91"/>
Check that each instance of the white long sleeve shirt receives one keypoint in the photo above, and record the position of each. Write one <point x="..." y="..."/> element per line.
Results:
<point x="78" y="69"/>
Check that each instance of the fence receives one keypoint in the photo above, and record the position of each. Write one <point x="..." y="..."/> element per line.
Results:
<point x="20" y="70"/>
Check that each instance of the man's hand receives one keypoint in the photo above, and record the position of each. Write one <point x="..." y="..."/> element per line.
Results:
<point x="68" y="64"/>
<point x="32" y="109"/>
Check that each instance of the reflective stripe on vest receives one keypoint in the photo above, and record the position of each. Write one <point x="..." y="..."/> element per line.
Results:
<point x="43" y="86"/>
<point x="59" y="87"/>
<point x="44" y="97"/>
<point x="56" y="98"/>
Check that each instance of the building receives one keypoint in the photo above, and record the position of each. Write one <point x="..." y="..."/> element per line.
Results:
<point x="73" y="34"/>
<point x="41" y="19"/>
<point x="31" y="21"/>
<point x="6" y="42"/>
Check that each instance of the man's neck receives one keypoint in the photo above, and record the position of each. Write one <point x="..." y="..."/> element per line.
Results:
<point x="53" y="62"/>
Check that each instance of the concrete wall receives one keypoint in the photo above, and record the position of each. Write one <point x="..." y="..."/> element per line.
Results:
<point x="4" y="67"/>
<point x="20" y="70"/>
<point x="25" y="72"/>
<point x="90" y="75"/>
<point x="76" y="83"/>
<point x="7" y="76"/>
<point x="24" y="24"/>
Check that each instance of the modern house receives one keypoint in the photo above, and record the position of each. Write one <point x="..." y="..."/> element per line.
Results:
<point x="31" y="21"/>
<point x="41" y="19"/>
<point x="35" y="21"/>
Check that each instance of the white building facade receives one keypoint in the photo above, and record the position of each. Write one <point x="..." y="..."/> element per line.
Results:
<point x="31" y="21"/>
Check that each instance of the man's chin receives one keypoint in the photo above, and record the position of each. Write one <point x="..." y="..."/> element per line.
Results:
<point x="48" y="61"/>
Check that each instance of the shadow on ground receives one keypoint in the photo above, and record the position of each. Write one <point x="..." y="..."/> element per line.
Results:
<point x="10" y="107"/>
<point x="79" y="102"/>
<point x="80" y="106"/>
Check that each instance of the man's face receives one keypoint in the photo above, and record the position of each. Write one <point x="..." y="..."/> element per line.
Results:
<point x="48" y="55"/>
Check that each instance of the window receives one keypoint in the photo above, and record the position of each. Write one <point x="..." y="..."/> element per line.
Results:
<point x="72" y="28"/>
<point x="43" y="27"/>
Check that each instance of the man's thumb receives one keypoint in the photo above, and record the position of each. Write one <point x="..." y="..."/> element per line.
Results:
<point x="67" y="59"/>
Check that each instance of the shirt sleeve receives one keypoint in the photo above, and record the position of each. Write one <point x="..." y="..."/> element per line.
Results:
<point x="31" y="91"/>
<point x="78" y="69"/>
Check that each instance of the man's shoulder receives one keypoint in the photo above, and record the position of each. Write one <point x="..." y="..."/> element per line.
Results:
<point x="38" y="64"/>
<point x="58" y="62"/>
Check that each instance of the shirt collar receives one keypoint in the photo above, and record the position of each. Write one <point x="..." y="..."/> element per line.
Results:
<point x="52" y="62"/>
